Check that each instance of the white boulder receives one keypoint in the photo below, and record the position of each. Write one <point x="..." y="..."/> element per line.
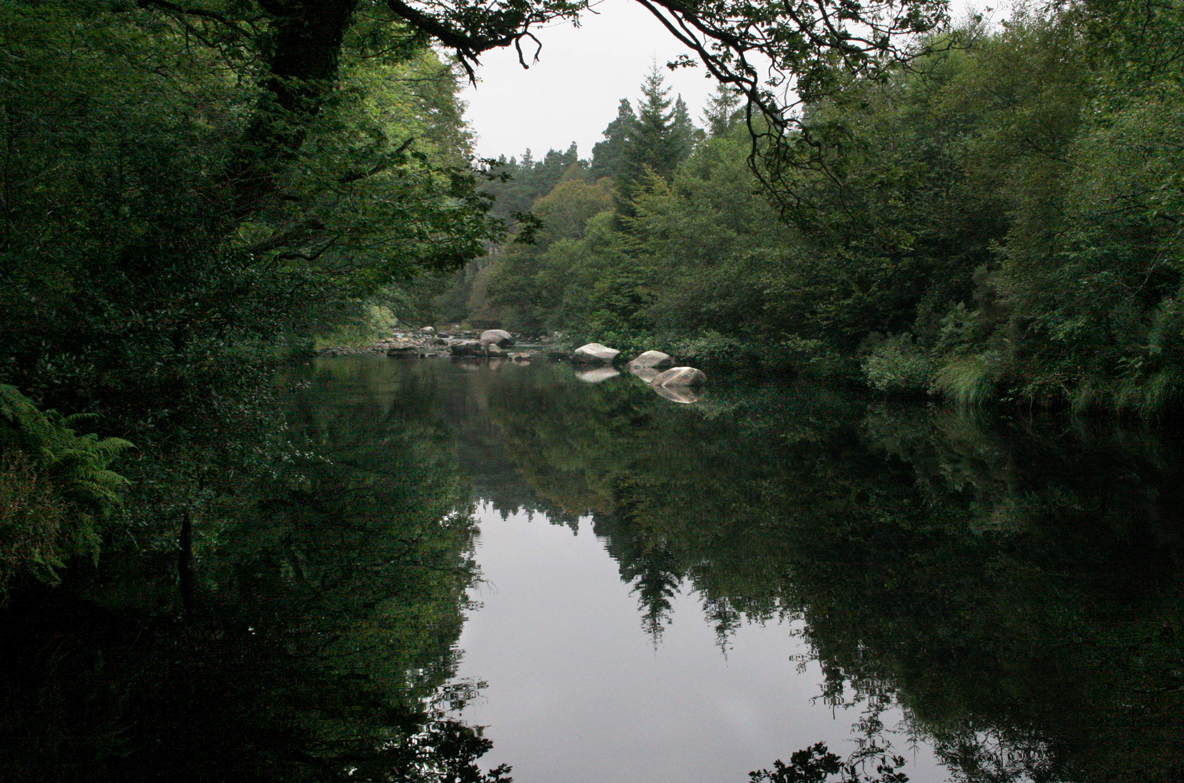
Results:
<point x="498" y="337"/>
<point x="594" y="353"/>
<point x="651" y="360"/>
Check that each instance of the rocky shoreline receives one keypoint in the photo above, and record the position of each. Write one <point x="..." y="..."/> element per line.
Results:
<point x="593" y="363"/>
<point x="427" y="343"/>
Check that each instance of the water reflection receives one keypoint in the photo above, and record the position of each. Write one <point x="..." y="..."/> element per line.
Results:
<point x="319" y="643"/>
<point x="1011" y="587"/>
<point x="1014" y="585"/>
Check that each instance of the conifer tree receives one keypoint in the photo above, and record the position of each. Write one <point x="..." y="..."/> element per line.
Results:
<point x="653" y="145"/>
<point x="685" y="134"/>
<point x="663" y="136"/>
<point x="608" y="156"/>
<point x="720" y="113"/>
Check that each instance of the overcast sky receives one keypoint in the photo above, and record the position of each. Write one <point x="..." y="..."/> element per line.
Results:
<point x="572" y="93"/>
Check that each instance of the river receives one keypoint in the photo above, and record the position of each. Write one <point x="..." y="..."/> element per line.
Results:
<point x="468" y="565"/>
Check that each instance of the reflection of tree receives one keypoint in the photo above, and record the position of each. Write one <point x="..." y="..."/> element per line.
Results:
<point x="330" y="597"/>
<point x="651" y="567"/>
<point x="1014" y="587"/>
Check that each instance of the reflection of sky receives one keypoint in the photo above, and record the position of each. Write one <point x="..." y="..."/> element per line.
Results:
<point x="577" y="691"/>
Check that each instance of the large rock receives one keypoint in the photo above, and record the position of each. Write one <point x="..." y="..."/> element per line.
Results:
<point x="680" y="376"/>
<point x="651" y="360"/>
<point x="594" y="353"/>
<point x="467" y="348"/>
<point x="498" y="337"/>
<point x="428" y="330"/>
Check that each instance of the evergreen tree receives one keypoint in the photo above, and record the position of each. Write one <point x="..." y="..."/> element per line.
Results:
<point x="685" y="135"/>
<point x="663" y="136"/>
<point x="653" y="144"/>
<point x="721" y="113"/>
<point x="608" y="156"/>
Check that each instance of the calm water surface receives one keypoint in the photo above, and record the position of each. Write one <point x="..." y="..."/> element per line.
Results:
<point x="577" y="691"/>
<point x="688" y="592"/>
<point x="421" y="570"/>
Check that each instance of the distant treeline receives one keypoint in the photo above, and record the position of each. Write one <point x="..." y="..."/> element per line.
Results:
<point x="1000" y="220"/>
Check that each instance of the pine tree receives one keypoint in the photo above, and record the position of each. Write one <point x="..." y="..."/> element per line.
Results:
<point x="684" y="133"/>
<point x="608" y="156"/>
<point x="653" y="145"/>
<point x="721" y="112"/>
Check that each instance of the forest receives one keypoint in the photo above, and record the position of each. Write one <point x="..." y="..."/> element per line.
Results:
<point x="194" y="195"/>
<point x="997" y="222"/>
<point x="987" y="213"/>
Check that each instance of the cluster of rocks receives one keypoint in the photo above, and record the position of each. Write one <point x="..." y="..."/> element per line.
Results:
<point x="593" y="362"/>
<point x="653" y="367"/>
<point x="427" y="343"/>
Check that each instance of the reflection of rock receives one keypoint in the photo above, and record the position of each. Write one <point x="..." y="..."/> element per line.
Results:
<point x="468" y="348"/>
<point x="646" y="374"/>
<point x="680" y="376"/>
<point x="498" y="337"/>
<point x="597" y="375"/>
<point x="520" y="358"/>
<point x="494" y="364"/>
<point x="594" y="353"/>
<point x="682" y="394"/>
<point x="651" y="360"/>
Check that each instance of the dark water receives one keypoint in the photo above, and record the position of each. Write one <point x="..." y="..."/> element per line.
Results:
<point x="620" y="587"/>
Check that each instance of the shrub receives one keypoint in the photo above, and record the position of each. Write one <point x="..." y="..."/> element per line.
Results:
<point x="55" y="485"/>
<point x="898" y="366"/>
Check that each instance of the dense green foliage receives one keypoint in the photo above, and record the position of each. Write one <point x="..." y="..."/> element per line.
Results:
<point x="997" y="221"/>
<point x="174" y="219"/>
<point x="55" y="485"/>
<point x="319" y="644"/>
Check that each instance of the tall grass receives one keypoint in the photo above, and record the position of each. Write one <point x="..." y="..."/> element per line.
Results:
<point x="967" y="381"/>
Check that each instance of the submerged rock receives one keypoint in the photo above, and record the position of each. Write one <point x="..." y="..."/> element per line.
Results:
<point x="680" y="376"/>
<point x="594" y="353"/>
<point x="498" y="337"/>
<point x="597" y="375"/>
<point x="651" y="360"/>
